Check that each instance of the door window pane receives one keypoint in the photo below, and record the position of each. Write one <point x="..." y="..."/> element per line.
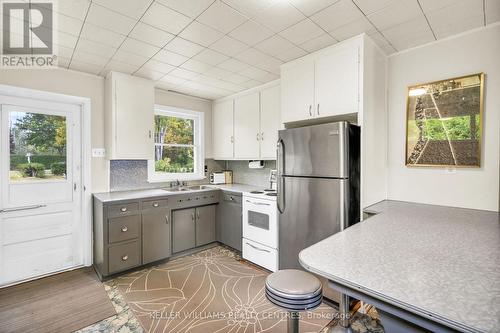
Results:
<point x="37" y="146"/>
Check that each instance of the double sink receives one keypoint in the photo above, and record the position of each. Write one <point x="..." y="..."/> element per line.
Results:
<point x="187" y="188"/>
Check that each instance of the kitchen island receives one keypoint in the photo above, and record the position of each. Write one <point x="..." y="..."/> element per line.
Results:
<point x="420" y="265"/>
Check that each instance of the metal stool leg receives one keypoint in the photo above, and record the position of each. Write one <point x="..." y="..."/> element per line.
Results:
<point x="344" y="310"/>
<point x="293" y="322"/>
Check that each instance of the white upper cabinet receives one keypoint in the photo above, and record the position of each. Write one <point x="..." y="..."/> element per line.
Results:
<point x="336" y="88"/>
<point x="322" y="84"/>
<point x="246" y="126"/>
<point x="222" y="130"/>
<point x="270" y="123"/>
<point x="297" y="90"/>
<point x="129" y="117"/>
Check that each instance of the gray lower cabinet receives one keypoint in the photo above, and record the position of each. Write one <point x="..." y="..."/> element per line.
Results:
<point x="229" y="223"/>
<point x="205" y="225"/>
<point x="155" y="234"/>
<point x="183" y="229"/>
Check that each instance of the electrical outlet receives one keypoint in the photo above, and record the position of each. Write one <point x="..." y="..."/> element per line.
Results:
<point x="98" y="152"/>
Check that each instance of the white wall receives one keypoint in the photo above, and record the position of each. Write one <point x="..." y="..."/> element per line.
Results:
<point x="167" y="98"/>
<point x="477" y="51"/>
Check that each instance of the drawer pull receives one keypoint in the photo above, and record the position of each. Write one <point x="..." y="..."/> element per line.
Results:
<point x="166" y="219"/>
<point x="125" y="258"/>
<point x="155" y="204"/>
<point x="123" y="209"/>
<point x="124" y="229"/>
<point x="258" y="249"/>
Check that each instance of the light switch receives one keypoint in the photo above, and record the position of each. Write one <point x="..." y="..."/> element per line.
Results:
<point x="98" y="152"/>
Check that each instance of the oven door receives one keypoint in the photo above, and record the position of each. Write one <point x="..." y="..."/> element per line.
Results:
<point x="260" y="221"/>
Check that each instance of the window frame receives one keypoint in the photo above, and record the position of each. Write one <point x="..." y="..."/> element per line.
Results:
<point x="198" y="145"/>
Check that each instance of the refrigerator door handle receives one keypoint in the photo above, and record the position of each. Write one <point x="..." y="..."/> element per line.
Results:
<point x="281" y="180"/>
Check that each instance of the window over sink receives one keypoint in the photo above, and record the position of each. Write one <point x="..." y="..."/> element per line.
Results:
<point x="178" y="145"/>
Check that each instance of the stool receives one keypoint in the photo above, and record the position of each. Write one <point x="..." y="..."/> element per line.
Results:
<point x="294" y="291"/>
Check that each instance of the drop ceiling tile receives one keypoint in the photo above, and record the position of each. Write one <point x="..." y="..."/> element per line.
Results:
<point x="221" y="17"/>
<point x="251" y="56"/>
<point x="130" y="58"/>
<point x="388" y="49"/>
<point x="338" y="14"/>
<point x="210" y="57"/>
<point x="158" y="66"/>
<point x="172" y="80"/>
<point x="62" y="62"/>
<point x="396" y="13"/>
<point x="291" y="54"/>
<point x="249" y="8"/>
<point x="228" y="86"/>
<point x="318" y="43"/>
<point x="105" y="18"/>
<point x="183" y="73"/>
<point x="228" y="46"/>
<point x="279" y="16"/>
<point x="65" y="39"/>
<point x="492" y="8"/>
<point x="118" y="66"/>
<point x="149" y="74"/>
<point x="371" y="6"/>
<point x="353" y="28"/>
<point x="170" y="58"/>
<point x="84" y="67"/>
<point x="236" y="78"/>
<point x="309" y="7"/>
<point x="302" y="32"/>
<point x="165" y="18"/>
<point x="409" y="34"/>
<point x="69" y="25"/>
<point x="378" y="38"/>
<point x="274" y="45"/>
<point x="90" y="58"/>
<point x="251" y="33"/>
<point x="74" y="8"/>
<point x="101" y="35"/>
<point x="461" y="16"/>
<point x="64" y="52"/>
<point x="271" y="65"/>
<point x="196" y="66"/>
<point x="140" y="48"/>
<point x="184" y="47"/>
<point x="151" y="35"/>
<point x="134" y="9"/>
<point x="217" y="72"/>
<point x="201" y="34"/>
<point x="232" y="65"/>
<point x="250" y="84"/>
<point x="95" y="48"/>
<point x="432" y="5"/>
<point x="164" y="85"/>
<point x="191" y="8"/>
<point x="258" y="74"/>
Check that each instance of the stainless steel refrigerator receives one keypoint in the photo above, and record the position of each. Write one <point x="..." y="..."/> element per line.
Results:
<point x="318" y="186"/>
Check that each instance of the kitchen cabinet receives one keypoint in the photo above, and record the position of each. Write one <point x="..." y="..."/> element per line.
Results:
<point x="183" y="229"/>
<point x="323" y="84"/>
<point x="269" y="121"/>
<point x="229" y="225"/>
<point x="247" y="126"/>
<point x="222" y="134"/>
<point x="155" y="231"/>
<point x="129" y="109"/>
<point x="205" y="225"/>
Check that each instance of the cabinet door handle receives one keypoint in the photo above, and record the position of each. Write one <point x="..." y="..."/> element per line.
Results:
<point x="166" y="219"/>
<point x="124" y="229"/>
<point x="125" y="258"/>
<point x="262" y="136"/>
<point x="232" y="139"/>
<point x="317" y="110"/>
<point x="123" y="209"/>
<point x="258" y="137"/>
<point x="197" y="214"/>
<point x="310" y="113"/>
<point x="192" y="216"/>
<point x="258" y="248"/>
<point x="155" y="204"/>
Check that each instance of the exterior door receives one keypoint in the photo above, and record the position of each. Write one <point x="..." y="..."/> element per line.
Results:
<point x="41" y="223"/>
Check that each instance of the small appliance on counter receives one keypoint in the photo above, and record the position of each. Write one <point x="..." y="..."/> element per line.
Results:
<point x="217" y="178"/>
<point x="228" y="176"/>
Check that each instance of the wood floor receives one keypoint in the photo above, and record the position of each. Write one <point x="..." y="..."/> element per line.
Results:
<point x="60" y="303"/>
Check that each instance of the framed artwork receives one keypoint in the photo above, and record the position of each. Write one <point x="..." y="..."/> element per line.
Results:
<point x="444" y="122"/>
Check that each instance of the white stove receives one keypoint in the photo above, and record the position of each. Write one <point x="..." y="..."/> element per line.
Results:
<point x="260" y="228"/>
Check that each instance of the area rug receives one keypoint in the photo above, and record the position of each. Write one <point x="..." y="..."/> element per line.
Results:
<point x="210" y="291"/>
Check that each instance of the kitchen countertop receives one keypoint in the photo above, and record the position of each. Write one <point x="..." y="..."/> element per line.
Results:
<point x="435" y="261"/>
<point x="150" y="193"/>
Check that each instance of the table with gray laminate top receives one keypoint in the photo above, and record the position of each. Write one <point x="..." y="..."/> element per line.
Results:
<point x="440" y="263"/>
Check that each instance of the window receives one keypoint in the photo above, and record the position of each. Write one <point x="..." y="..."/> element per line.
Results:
<point x="178" y="145"/>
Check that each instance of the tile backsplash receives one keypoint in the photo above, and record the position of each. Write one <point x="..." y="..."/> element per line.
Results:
<point x="133" y="174"/>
